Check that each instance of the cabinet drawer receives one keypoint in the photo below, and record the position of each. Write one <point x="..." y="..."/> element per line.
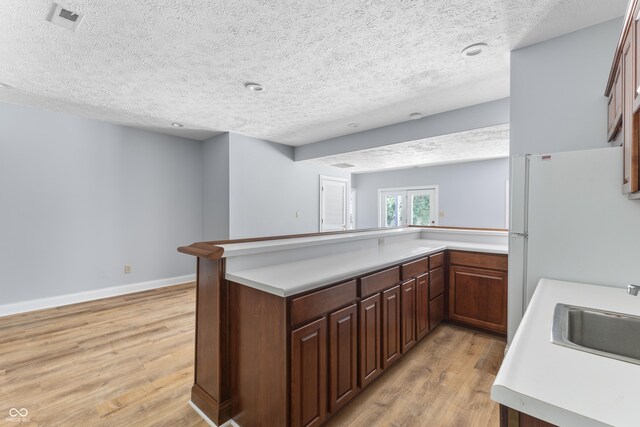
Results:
<point x="379" y="281"/>
<point x="436" y="282"/>
<point x="436" y="260"/>
<point x="415" y="268"/>
<point x="476" y="259"/>
<point x="318" y="303"/>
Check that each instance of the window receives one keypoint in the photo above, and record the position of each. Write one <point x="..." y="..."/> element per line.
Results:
<point x="408" y="206"/>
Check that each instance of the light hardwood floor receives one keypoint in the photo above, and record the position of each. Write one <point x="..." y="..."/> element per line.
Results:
<point x="128" y="361"/>
<point x="445" y="380"/>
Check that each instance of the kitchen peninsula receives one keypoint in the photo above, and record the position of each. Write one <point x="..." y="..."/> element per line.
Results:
<point x="289" y="329"/>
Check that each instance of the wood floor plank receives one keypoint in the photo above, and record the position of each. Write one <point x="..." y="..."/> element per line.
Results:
<point x="128" y="361"/>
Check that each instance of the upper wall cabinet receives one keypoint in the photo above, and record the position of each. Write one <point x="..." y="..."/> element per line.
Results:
<point x="623" y="117"/>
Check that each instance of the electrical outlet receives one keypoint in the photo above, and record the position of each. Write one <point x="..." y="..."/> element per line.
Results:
<point x="298" y="214"/>
<point x="127" y="269"/>
<point x="381" y="241"/>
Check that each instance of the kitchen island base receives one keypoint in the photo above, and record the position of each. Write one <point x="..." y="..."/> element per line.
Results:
<point x="298" y="359"/>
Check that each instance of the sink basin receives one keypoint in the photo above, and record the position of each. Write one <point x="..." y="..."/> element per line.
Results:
<point x="608" y="334"/>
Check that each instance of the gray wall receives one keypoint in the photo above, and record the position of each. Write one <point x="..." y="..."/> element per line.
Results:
<point x="470" y="194"/>
<point x="468" y="118"/>
<point x="266" y="188"/>
<point x="557" y="91"/>
<point x="82" y="198"/>
<point x="215" y="188"/>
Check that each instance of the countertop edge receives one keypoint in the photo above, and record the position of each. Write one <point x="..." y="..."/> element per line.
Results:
<point x="539" y="409"/>
<point x="329" y="280"/>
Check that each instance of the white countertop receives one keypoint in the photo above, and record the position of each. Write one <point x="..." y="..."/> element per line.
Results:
<point x="262" y="246"/>
<point x="564" y="386"/>
<point x="290" y="278"/>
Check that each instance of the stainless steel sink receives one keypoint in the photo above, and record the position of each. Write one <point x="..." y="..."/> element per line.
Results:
<point x="608" y="334"/>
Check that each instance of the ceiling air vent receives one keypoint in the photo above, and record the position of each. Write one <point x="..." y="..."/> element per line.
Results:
<point x="343" y="165"/>
<point x="63" y="17"/>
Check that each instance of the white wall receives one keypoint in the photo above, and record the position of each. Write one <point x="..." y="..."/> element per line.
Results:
<point x="82" y="198"/>
<point x="267" y="188"/>
<point x="557" y="91"/>
<point x="215" y="188"/>
<point x="471" y="194"/>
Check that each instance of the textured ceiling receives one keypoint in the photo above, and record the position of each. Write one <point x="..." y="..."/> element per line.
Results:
<point x="323" y="64"/>
<point x="479" y="144"/>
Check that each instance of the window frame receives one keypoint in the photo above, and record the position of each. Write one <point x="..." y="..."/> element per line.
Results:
<point x="405" y="221"/>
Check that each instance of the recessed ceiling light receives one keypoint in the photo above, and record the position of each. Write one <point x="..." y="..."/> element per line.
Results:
<point x="415" y="116"/>
<point x="353" y="125"/>
<point x="256" y="87"/>
<point x="177" y="125"/>
<point x="5" y="86"/>
<point x="474" y="50"/>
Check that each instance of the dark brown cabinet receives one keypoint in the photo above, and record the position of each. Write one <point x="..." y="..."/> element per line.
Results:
<point x="370" y="339"/>
<point x="478" y="290"/>
<point x="309" y="374"/>
<point x="614" y="107"/>
<point x="630" y="141"/>
<point x="318" y="349"/>
<point x="478" y="298"/>
<point x="436" y="311"/>
<point x="343" y="356"/>
<point x="512" y="418"/>
<point x="436" y="284"/>
<point x="390" y="326"/>
<point x="624" y="103"/>
<point x="422" y="306"/>
<point x="436" y="290"/>
<point x="408" y="318"/>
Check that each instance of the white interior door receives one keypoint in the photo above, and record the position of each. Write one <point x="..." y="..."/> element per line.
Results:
<point x="333" y="203"/>
<point x="401" y="207"/>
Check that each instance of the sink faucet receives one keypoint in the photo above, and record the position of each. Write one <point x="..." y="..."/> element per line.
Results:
<point x="633" y="290"/>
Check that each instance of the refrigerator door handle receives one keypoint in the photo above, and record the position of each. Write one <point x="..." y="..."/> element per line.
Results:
<point x="519" y="235"/>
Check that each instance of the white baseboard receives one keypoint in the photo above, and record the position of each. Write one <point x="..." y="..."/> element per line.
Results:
<point x="207" y="420"/>
<point x="60" y="300"/>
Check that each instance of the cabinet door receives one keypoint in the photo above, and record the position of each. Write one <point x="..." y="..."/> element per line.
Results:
<point x="422" y="306"/>
<point x="436" y="311"/>
<point x="343" y="356"/>
<point x="478" y="297"/>
<point x="309" y="374"/>
<point x="611" y="113"/>
<point x="390" y="326"/>
<point x="635" y="32"/>
<point x="630" y="142"/>
<point x="436" y="282"/>
<point x="408" y="321"/>
<point x="370" y="339"/>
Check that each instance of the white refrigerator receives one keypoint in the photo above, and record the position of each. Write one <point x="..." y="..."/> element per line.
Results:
<point x="570" y="221"/>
